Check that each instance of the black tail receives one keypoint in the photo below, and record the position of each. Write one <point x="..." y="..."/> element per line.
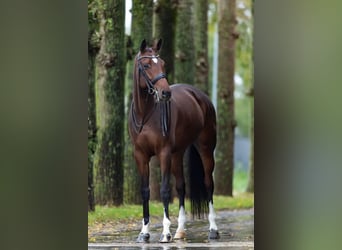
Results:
<point x="198" y="191"/>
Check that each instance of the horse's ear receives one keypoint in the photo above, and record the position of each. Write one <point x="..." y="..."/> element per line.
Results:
<point x="159" y="44"/>
<point x="143" y="45"/>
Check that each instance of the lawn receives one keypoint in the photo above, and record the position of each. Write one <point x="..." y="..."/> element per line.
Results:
<point x="129" y="212"/>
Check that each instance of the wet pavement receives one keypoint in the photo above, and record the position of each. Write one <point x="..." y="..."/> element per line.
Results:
<point x="236" y="233"/>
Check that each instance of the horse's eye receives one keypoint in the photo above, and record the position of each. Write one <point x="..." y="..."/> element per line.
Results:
<point x="147" y="66"/>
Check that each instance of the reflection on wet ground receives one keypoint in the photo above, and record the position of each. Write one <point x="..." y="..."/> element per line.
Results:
<point x="174" y="246"/>
<point x="236" y="231"/>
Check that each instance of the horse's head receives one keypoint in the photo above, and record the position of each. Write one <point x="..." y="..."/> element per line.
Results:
<point x="152" y="72"/>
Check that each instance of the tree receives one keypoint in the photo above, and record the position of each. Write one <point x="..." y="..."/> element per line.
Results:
<point x="142" y="13"/>
<point x="164" y="28"/>
<point x="110" y="69"/>
<point x="201" y="45"/>
<point x="184" y="52"/>
<point x="92" y="51"/>
<point x="184" y="55"/>
<point x="250" y="185"/>
<point x="243" y="67"/>
<point x="225" y="106"/>
<point x="165" y="17"/>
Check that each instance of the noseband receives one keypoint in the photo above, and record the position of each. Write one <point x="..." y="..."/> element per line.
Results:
<point x="150" y="83"/>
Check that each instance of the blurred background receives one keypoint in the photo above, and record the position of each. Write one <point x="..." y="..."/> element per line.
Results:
<point x="206" y="43"/>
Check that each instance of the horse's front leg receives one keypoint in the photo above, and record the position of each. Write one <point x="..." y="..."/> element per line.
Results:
<point x="165" y="165"/>
<point x="143" y="168"/>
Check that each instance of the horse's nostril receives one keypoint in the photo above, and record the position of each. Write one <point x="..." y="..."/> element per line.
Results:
<point x="166" y="94"/>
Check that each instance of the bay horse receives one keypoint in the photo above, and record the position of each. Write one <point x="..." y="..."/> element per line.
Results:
<point x="168" y="121"/>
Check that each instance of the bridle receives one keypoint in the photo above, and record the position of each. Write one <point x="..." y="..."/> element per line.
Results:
<point x="165" y="109"/>
<point x="150" y="83"/>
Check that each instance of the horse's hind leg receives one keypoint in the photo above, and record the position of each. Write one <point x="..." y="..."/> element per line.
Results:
<point x="177" y="170"/>
<point x="207" y="156"/>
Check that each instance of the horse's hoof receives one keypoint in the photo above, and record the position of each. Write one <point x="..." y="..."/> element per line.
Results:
<point x="165" y="238"/>
<point x="143" y="238"/>
<point x="213" y="234"/>
<point x="180" y="235"/>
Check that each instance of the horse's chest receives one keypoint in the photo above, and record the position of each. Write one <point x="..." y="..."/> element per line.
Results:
<point x="150" y="142"/>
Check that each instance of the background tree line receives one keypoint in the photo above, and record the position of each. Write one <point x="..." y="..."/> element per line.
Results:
<point x="188" y="29"/>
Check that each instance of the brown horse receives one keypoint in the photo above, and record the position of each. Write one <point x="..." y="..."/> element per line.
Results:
<point x="166" y="121"/>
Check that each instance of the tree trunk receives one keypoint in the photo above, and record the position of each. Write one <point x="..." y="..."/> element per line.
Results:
<point x="250" y="186"/>
<point x="93" y="48"/>
<point x="164" y="28"/>
<point x="155" y="179"/>
<point x="165" y="18"/>
<point x="225" y="101"/>
<point x="201" y="45"/>
<point x="91" y="129"/>
<point x="142" y="16"/>
<point x="110" y="69"/>
<point x="184" y="57"/>
<point x="142" y="12"/>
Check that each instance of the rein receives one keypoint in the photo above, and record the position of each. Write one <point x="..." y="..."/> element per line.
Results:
<point x="164" y="106"/>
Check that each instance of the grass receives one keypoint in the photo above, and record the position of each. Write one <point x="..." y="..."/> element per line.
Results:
<point x="240" y="180"/>
<point x="126" y="212"/>
<point x="129" y="212"/>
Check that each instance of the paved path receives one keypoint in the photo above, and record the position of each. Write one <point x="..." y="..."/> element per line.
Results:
<point x="236" y="231"/>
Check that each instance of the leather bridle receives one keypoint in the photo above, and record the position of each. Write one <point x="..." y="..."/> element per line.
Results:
<point x="164" y="106"/>
<point x="150" y="83"/>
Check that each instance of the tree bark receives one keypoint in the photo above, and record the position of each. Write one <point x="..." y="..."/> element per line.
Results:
<point x="225" y="106"/>
<point x="250" y="186"/>
<point x="165" y="18"/>
<point x="184" y="54"/>
<point x="92" y="51"/>
<point x="201" y="45"/>
<point x="164" y="28"/>
<point x="110" y="69"/>
<point x="91" y="130"/>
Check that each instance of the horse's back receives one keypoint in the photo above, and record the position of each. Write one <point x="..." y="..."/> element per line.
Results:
<point x="185" y="94"/>
<point x="192" y="113"/>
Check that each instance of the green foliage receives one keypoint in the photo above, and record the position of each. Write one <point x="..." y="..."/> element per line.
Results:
<point x="244" y="65"/>
<point x="243" y="115"/>
<point x="240" y="180"/>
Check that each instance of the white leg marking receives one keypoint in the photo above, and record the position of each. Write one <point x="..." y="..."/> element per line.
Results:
<point x="181" y="220"/>
<point x="166" y="225"/>
<point x="145" y="228"/>
<point x="211" y="217"/>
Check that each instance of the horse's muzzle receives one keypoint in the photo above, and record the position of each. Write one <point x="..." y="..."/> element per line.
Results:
<point x="166" y="95"/>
